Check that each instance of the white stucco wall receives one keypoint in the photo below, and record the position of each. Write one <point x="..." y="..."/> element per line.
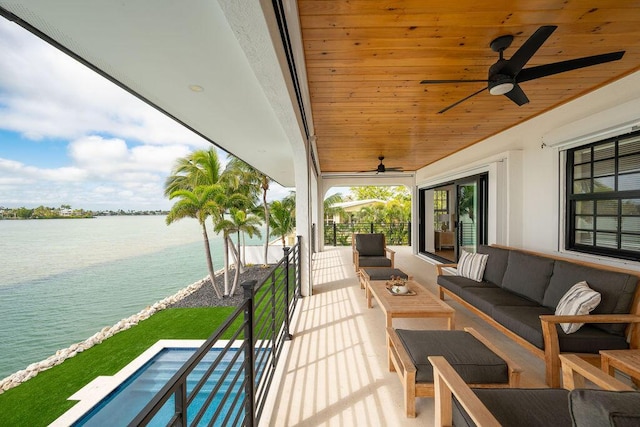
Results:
<point x="524" y="176"/>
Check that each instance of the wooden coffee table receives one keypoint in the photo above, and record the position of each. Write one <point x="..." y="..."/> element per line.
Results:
<point x="423" y="304"/>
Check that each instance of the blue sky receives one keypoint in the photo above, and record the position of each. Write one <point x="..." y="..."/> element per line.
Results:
<point x="68" y="136"/>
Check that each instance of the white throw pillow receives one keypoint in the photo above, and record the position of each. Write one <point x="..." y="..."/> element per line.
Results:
<point x="580" y="299"/>
<point x="472" y="265"/>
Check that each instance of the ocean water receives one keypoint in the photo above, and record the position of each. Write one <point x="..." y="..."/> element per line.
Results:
<point x="63" y="280"/>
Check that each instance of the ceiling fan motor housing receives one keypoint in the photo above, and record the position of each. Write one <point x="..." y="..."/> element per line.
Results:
<point x="499" y="84"/>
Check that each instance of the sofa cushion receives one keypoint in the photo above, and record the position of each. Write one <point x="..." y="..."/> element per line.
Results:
<point x="590" y="339"/>
<point x="528" y="275"/>
<point x="487" y="297"/>
<point x="374" y="261"/>
<point x="580" y="299"/>
<point x="599" y="407"/>
<point x="496" y="263"/>
<point x="520" y="407"/>
<point x="471" y="359"/>
<point x="471" y="265"/>
<point x="525" y="322"/>
<point x="456" y="283"/>
<point x="616" y="289"/>
<point x="370" y="244"/>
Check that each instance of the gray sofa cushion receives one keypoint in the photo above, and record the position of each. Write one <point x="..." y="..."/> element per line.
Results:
<point x="599" y="407"/>
<point x="488" y="297"/>
<point x="496" y="263"/>
<point x="456" y="283"/>
<point x="616" y="289"/>
<point x="471" y="359"/>
<point x="520" y="407"/>
<point x="370" y="244"/>
<point x="525" y="321"/>
<point x="528" y="275"/>
<point x="374" y="261"/>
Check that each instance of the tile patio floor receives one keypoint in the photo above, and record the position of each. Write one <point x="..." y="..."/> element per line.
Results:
<point x="334" y="372"/>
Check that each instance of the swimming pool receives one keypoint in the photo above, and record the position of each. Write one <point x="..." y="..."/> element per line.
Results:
<point x="122" y="404"/>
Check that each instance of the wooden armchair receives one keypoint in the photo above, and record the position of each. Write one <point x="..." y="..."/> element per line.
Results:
<point x="512" y="406"/>
<point x="370" y="250"/>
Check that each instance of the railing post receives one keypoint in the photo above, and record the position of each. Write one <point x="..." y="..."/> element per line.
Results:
<point x="371" y="228"/>
<point x="287" y="335"/>
<point x="249" y="354"/>
<point x="335" y="232"/>
<point x="299" y="269"/>
<point x="409" y="233"/>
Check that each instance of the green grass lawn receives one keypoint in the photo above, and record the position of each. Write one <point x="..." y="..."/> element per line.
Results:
<point x="43" y="398"/>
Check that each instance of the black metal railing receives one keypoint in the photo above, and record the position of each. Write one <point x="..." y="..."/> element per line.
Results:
<point x="234" y="384"/>
<point x="396" y="233"/>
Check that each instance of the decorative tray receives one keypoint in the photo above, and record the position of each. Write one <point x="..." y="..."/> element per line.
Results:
<point x="408" y="294"/>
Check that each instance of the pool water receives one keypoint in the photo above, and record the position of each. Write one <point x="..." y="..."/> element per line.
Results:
<point x="122" y="405"/>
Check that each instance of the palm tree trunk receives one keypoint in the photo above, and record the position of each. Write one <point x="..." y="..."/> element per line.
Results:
<point x="207" y="250"/>
<point x="236" y="256"/>
<point x="239" y="261"/>
<point x="266" y="219"/>
<point x="226" y="264"/>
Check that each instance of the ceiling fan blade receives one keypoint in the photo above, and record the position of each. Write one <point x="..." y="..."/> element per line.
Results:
<point x="461" y="101"/>
<point x="396" y="169"/>
<point x="572" y="64"/>
<point x="517" y="95"/>
<point x="513" y="66"/>
<point x="430" y="82"/>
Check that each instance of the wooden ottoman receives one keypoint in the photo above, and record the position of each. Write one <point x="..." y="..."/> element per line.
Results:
<point x="477" y="361"/>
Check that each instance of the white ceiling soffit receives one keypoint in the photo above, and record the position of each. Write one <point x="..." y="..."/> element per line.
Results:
<point x="158" y="49"/>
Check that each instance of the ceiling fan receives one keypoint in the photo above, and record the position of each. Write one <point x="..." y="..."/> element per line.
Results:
<point x="382" y="168"/>
<point x="506" y="74"/>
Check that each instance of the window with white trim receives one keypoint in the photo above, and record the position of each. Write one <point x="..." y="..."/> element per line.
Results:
<point x="603" y="197"/>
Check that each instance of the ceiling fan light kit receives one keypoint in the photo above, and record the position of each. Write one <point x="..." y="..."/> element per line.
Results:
<point x="506" y="74"/>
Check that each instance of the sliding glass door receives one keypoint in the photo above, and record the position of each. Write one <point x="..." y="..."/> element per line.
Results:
<point x="453" y="217"/>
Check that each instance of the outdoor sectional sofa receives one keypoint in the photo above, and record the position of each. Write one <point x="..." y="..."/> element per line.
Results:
<point x="520" y="290"/>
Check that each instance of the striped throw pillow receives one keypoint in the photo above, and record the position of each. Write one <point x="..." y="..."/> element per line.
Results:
<point x="472" y="265"/>
<point x="580" y="299"/>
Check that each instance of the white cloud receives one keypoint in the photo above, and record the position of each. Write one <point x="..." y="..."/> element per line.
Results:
<point x="46" y="94"/>
<point x="119" y="150"/>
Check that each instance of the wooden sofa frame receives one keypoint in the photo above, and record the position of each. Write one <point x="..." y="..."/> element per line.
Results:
<point x="551" y="351"/>
<point x="400" y="362"/>
<point x="448" y="383"/>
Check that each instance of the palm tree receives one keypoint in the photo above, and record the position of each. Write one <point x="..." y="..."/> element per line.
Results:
<point x="253" y="178"/>
<point x="196" y="204"/>
<point x="198" y="171"/>
<point x="243" y="223"/>
<point x="225" y="202"/>
<point x="328" y="204"/>
<point x="282" y="217"/>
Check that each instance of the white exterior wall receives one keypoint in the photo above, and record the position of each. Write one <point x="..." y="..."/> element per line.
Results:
<point x="525" y="187"/>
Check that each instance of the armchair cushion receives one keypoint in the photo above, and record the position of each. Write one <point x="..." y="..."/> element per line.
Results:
<point x="374" y="261"/>
<point x="370" y="244"/>
<point x="520" y="407"/>
<point x="597" y="407"/>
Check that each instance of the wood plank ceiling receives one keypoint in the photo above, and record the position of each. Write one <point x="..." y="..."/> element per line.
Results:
<point x="365" y="60"/>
